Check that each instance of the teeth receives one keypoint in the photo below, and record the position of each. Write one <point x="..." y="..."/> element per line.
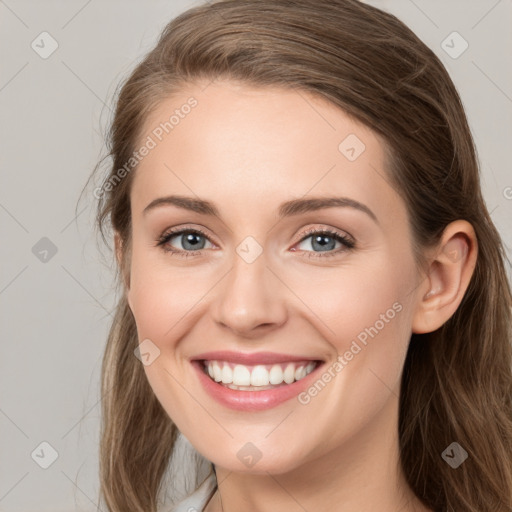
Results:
<point x="217" y="372"/>
<point x="300" y="373"/>
<point x="276" y="375"/>
<point x="289" y="374"/>
<point x="258" y="376"/>
<point x="261" y="376"/>
<point x="227" y="374"/>
<point x="241" y="376"/>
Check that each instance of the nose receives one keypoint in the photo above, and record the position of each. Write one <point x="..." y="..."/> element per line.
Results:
<point x="250" y="300"/>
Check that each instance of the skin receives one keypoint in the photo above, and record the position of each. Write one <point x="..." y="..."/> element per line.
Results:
<point x="247" y="150"/>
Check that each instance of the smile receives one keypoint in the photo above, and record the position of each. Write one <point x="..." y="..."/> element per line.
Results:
<point x="254" y="382"/>
<point x="259" y="377"/>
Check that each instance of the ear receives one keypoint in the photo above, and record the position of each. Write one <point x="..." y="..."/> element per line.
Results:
<point x="447" y="279"/>
<point x="123" y="262"/>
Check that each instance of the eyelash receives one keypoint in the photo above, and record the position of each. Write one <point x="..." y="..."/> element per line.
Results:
<point x="346" y="241"/>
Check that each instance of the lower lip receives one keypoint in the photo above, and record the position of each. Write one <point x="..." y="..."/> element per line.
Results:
<point x="252" y="400"/>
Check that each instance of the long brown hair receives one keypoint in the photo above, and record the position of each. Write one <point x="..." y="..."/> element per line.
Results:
<point x="457" y="381"/>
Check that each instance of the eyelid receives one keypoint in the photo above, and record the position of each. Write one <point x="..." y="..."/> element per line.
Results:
<point x="347" y="241"/>
<point x="330" y="231"/>
<point x="343" y="237"/>
<point x="172" y="232"/>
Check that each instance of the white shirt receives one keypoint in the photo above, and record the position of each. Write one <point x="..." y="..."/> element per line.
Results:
<point x="196" y="501"/>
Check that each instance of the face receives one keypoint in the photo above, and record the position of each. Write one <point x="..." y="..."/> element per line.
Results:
<point x="309" y="303"/>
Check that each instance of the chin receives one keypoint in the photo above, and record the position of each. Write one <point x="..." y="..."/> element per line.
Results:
<point x="247" y="458"/>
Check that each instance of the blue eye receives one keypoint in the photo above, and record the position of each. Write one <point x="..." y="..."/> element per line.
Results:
<point x="325" y="241"/>
<point x="189" y="238"/>
<point x="193" y="242"/>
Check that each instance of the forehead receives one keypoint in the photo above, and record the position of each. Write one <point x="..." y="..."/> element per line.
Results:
<point x="249" y="147"/>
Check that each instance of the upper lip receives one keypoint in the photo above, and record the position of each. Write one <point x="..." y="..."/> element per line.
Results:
<point x="251" y="359"/>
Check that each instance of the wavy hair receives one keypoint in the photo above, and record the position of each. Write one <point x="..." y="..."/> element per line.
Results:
<point x="457" y="380"/>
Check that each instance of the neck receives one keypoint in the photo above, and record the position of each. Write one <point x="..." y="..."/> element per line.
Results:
<point x="362" y="475"/>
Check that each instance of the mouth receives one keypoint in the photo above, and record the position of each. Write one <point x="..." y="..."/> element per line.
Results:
<point x="258" y="377"/>
<point x="254" y="382"/>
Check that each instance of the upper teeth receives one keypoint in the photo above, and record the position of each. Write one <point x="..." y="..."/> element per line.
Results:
<point x="259" y="375"/>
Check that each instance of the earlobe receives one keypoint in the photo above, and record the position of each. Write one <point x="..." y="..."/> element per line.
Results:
<point x="448" y="277"/>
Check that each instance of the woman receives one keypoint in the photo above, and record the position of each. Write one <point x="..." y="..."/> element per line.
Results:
<point x="313" y="292"/>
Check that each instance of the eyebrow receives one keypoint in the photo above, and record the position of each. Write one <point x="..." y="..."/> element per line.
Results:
<point x="286" y="209"/>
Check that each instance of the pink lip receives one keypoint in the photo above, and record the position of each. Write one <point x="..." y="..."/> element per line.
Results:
<point x="252" y="400"/>
<point x="251" y="359"/>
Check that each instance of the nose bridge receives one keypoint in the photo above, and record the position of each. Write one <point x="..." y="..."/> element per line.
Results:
<point x="250" y="296"/>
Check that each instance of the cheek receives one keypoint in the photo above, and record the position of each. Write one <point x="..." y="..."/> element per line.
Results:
<point x="161" y="296"/>
<point x="364" y="313"/>
<point x="162" y="302"/>
<point x="367" y="323"/>
<point x="348" y="300"/>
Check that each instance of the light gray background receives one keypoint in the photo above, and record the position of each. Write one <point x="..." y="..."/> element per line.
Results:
<point x="56" y="314"/>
